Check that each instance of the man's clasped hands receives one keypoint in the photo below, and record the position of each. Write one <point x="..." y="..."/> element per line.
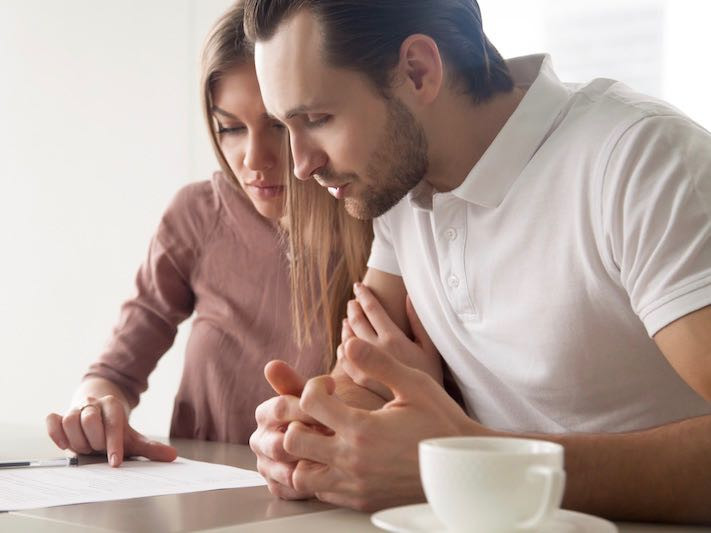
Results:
<point x="350" y="438"/>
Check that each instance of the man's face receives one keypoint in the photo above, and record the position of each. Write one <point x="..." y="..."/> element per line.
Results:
<point x="366" y="149"/>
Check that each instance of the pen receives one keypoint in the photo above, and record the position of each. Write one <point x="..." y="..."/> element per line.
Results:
<point x="64" y="461"/>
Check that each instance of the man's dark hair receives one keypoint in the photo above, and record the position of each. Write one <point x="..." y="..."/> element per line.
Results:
<point x="366" y="35"/>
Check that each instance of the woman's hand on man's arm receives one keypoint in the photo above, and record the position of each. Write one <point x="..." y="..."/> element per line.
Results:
<point x="368" y="319"/>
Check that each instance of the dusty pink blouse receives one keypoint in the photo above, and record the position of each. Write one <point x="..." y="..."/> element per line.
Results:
<point x="215" y="256"/>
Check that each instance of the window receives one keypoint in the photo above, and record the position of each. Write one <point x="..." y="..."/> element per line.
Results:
<point x="654" y="46"/>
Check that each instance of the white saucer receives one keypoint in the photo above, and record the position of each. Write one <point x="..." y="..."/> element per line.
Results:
<point x="419" y="518"/>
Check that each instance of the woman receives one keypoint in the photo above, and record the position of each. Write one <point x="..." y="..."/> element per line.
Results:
<point x="219" y="252"/>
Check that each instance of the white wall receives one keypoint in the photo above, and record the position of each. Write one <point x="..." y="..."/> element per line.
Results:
<point x="99" y="125"/>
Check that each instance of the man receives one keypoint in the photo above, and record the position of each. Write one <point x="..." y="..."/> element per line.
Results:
<point x="554" y="241"/>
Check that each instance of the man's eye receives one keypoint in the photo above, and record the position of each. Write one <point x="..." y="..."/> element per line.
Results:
<point x="223" y="130"/>
<point x="313" y="121"/>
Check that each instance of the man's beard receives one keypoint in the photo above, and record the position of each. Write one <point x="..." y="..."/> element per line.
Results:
<point x="398" y="164"/>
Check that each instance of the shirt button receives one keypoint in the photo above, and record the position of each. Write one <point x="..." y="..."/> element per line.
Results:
<point x="453" y="282"/>
<point x="451" y="234"/>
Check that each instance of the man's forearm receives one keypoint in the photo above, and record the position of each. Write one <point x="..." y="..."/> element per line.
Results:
<point x="656" y="475"/>
<point x="660" y="474"/>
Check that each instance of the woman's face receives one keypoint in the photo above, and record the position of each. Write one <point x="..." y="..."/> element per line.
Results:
<point x="251" y="141"/>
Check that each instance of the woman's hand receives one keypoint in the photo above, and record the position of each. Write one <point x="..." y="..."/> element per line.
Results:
<point x="101" y="425"/>
<point x="368" y="320"/>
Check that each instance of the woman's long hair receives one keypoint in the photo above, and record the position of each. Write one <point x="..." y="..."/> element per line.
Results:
<point x="225" y="48"/>
<point x="328" y="249"/>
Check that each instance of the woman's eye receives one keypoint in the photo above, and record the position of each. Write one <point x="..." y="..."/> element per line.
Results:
<point x="313" y="121"/>
<point x="225" y="130"/>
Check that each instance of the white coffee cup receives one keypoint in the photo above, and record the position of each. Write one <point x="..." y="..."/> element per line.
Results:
<point x="492" y="484"/>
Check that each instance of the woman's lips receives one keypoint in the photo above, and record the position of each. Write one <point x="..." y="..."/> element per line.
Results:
<point x="266" y="192"/>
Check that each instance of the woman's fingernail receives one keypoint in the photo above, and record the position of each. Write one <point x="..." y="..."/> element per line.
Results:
<point x="113" y="460"/>
<point x="63" y="445"/>
<point x="356" y="287"/>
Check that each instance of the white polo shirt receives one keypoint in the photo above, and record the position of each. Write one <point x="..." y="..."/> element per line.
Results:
<point x="583" y="230"/>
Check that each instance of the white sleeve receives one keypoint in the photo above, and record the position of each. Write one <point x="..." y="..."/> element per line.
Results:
<point x="382" y="252"/>
<point x="657" y="217"/>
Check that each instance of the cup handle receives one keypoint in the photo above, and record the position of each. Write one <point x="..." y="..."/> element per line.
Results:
<point x="554" y="482"/>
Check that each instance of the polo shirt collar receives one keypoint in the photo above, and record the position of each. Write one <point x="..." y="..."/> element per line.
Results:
<point x="523" y="134"/>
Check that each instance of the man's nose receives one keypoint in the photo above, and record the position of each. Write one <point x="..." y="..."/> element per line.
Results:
<point x="307" y="159"/>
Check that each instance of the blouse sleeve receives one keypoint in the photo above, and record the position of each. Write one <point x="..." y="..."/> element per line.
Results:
<point x="163" y="298"/>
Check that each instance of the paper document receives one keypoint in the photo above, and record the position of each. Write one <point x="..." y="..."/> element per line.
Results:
<point x="30" y="488"/>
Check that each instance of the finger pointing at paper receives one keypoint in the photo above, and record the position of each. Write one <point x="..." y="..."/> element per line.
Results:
<point x="101" y="425"/>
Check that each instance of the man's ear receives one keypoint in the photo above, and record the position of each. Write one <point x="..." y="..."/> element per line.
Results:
<point x="420" y="71"/>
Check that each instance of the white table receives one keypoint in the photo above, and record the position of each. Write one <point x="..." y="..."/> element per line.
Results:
<point x="234" y="510"/>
